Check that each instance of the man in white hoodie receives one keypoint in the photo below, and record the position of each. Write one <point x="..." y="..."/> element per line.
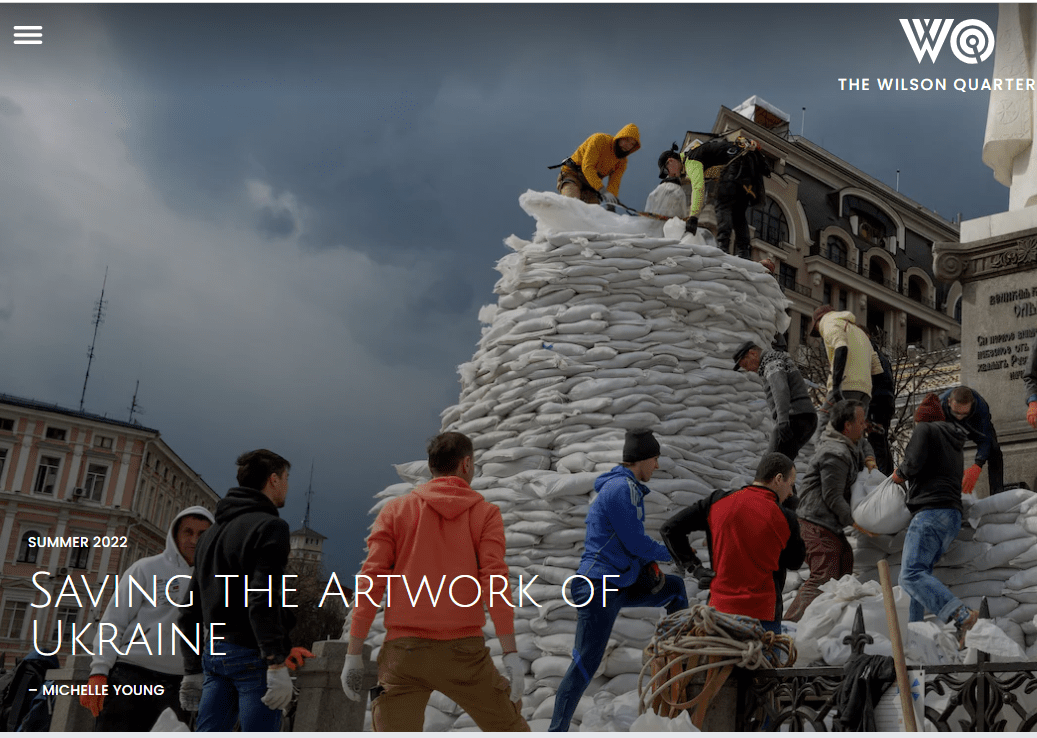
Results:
<point x="133" y="665"/>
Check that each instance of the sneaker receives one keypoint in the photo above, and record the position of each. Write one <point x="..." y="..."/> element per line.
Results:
<point x="964" y="619"/>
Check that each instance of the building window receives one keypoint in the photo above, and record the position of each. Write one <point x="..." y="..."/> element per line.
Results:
<point x="804" y="326"/>
<point x="26" y="553"/>
<point x="13" y="620"/>
<point x="106" y="442"/>
<point x="842" y="299"/>
<point x="6" y="424"/>
<point x="787" y="276"/>
<point x="56" y="434"/>
<point x="837" y="250"/>
<point x="769" y="221"/>
<point x="828" y="294"/>
<point x="3" y="463"/>
<point x="66" y="621"/>
<point x="93" y="487"/>
<point x="79" y="558"/>
<point x="46" y="475"/>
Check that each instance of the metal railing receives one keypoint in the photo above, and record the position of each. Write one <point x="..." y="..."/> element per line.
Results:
<point x="983" y="696"/>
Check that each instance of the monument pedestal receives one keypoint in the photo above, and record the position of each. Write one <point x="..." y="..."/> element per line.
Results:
<point x="996" y="263"/>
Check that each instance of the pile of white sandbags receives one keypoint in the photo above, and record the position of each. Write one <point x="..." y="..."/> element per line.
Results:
<point x="603" y="324"/>
<point x="993" y="556"/>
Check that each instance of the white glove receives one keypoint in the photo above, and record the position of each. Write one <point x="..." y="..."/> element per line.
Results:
<point x="279" y="690"/>
<point x="191" y="691"/>
<point x="607" y="198"/>
<point x="353" y="676"/>
<point x="515" y="671"/>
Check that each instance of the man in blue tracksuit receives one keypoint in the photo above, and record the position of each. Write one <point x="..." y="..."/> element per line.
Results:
<point x="617" y="547"/>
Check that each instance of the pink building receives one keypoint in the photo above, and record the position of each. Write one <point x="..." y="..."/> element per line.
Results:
<point x="106" y="489"/>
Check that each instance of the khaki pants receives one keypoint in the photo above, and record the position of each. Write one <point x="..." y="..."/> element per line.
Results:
<point x="409" y="669"/>
<point x="574" y="184"/>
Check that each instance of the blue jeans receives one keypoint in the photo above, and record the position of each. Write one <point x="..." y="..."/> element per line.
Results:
<point x="235" y="683"/>
<point x="928" y="538"/>
<point x="593" y="628"/>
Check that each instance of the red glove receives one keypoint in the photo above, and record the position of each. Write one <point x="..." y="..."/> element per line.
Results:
<point x="94" y="702"/>
<point x="969" y="480"/>
<point x="295" y="658"/>
<point x="897" y="479"/>
<point x="1031" y="415"/>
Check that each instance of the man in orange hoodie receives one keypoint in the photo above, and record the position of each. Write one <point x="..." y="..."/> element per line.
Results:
<point x="600" y="156"/>
<point x="442" y="548"/>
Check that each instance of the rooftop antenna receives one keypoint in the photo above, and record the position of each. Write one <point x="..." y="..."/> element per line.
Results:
<point x="309" y="496"/>
<point x="99" y="309"/>
<point x="134" y="407"/>
<point x="803" y="122"/>
<point x="898" y="180"/>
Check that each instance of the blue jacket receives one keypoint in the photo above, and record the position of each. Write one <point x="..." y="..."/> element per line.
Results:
<point x="616" y="541"/>
<point x="976" y="424"/>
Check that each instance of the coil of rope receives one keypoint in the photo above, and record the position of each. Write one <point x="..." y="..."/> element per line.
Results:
<point x="697" y="640"/>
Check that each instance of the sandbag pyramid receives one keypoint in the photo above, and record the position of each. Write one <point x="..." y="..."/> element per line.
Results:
<point x="603" y="322"/>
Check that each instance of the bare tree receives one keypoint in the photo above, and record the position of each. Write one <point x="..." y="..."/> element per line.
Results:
<point x="313" y="622"/>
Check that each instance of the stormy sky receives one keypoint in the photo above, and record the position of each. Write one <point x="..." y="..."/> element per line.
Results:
<point x="300" y="207"/>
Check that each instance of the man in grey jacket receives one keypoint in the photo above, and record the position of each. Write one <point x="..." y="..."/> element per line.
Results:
<point x="824" y="508"/>
<point x="794" y="416"/>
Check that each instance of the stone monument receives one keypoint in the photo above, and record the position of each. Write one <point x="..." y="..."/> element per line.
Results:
<point x="996" y="258"/>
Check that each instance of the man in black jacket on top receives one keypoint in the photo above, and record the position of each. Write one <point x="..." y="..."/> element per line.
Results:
<point x="237" y="593"/>
<point x="933" y="465"/>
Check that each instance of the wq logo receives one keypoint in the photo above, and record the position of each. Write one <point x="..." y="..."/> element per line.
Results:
<point x="972" y="40"/>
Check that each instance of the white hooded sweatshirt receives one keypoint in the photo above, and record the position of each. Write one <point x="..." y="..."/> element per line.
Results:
<point x="164" y="566"/>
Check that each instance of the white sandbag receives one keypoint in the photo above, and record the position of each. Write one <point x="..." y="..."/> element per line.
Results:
<point x="622" y="683"/>
<point x="986" y="636"/>
<point x="865" y="483"/>
<point x="1000" y="607"/>
<point x="1003" y="502"/>
<point x="438" y="721"/>
<point x="650" y="722"/>
<point x="623" y="660"/>
<point x="1022" y="579"/>
<point x="1000" y="554"/>
<point x="414" y="472"/>
<point x="884" y="509"/>
<point x="167" y="723"/>
<point x="964" y="553"/>
<point x="996" y="533"/>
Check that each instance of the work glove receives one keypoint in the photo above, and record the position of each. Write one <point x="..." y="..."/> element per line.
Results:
<point x="94" y="702"/>
<point x="897" y="479"/>
<point x="191" y="691"/>
<point x="870" y="463"/>
<point x="297" y="657"/>
<point x="515" y="671"/>
<point x="1031" y="415"/>
<point x="692" y="225"/>
<point x="703" y="576"/>
<point x="971" y="477"/>
<point x="607" y="198"/>
<point x="279" y="690"/>
<point x="353" y="676"/>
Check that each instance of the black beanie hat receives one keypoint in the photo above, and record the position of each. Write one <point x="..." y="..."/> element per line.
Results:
<point x="670" y="153"/>
<point x="639" y="445"/>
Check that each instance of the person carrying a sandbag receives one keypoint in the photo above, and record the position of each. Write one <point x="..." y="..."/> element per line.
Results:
<point x="824" y="508"/>
<point x="932" y="466"/>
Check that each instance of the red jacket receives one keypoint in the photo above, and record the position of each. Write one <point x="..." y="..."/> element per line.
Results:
<point x="441" y="529"/>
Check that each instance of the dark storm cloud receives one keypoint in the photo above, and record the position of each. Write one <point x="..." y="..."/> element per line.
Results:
<point x="366" y="161"/>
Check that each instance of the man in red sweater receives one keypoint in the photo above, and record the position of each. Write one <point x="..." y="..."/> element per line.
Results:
<point x="442" y="548"/>
<point x="752" y="539"/>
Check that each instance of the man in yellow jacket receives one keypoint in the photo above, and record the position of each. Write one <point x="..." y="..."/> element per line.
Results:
<point x="851" y="356"/>
<point x="600" y="156"/>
